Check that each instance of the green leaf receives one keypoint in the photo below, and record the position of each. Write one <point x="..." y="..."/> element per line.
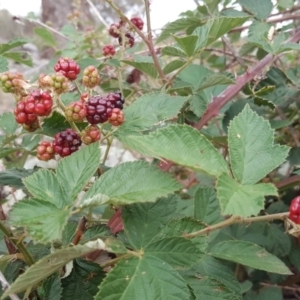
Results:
<point x="95" y="232"/>
<point x="46" y="36"/>
<point x="145" y="67"/>
<point x="44" y="185"/>
<point x="49" y="265"/>
<point x="8" y="122"/>
<point x="206" y="206"/>
<point x="12" y="44"/>
<point x="187" y="44"/>
<point x="192" y="148"/>
<point x="14" y="177"/>
<point x="51" y="289"/>
<point x="266" y="293"/>
<point x="38" y="217"/>
<point x="176" y="251"/>
<point x="3" y="64"/>
<point x="172" y="51"/>
<point x="142" y="221"/>
<point x="141" y="182"/>
<point x="215" y="28"/>
<point x="149" y="110"/>
<point x="215" y="79"/>
<point x="173" y="65"/>
<point x="20" y="57"/>
<point x="242" y="200"/>
<point x="134" y="278"/>
<point x="251" y="147"/>
<point x="114" y="245"/>
<point x="74" y="172"/>
<point x="261" y="9"/>
<point x="82" y="283"/>
<point x="54" y="124"/>
<point x="251" y="255"/>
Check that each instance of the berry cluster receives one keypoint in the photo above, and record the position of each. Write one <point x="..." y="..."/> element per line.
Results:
<point x="68" y="67"/>
<point x="295" y="210"/>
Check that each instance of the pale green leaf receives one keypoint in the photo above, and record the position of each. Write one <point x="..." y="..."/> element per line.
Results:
<point x="8" y="122"/>
<point x="45" y="35"/>
<point x="114" y="245"/>
<point x="12" y="44"/>
<point x="187" y="44"/>
<point x="14" y="177"/>
<point x="74" y="172"/>
<point x="44" y="185"/>
<point x="242" y="200"/>
<point x="253" y="153"/>
<point x="135" y="278"/>
<point x="215" y="79"/>
<point x="20" y="57"/>
<point x="137" y="182"/>
<point x="173" y="65"/>
<point x="192" y="148"/>
<point x="146" y="67"/>
<point x="173" y="51"/>
<point x="49" y="265"/>
<point x="143" y="221"/>
<point x="3" y="64"/>
<point x="251" y="255"/>
<point x="261" y="9"/>
<point x="38" y="217"/>
<point x="206" y="206"/>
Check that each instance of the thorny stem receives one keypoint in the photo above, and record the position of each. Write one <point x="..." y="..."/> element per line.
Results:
<point x="237" y="220"/>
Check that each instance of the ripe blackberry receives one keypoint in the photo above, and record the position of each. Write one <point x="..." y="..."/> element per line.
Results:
<point x="90" y="134"/>
<point x="22" y="115"/>
<point x="109" y="51"/>
<point x="128" y="42"/>
<point x="99" y="108"/>
<point x="76" y="111"/>
<point x="68" y="67"/>
<point x="66" y="142"/>
<point x="138" y="22"/>
<point x="114" y="30"/>
<point x="12" y="83"/>
<point x="39" y="103"/>
<point x="45" y="151"/>
<point x="117" y="117"/>
<point x="91" y="77"/>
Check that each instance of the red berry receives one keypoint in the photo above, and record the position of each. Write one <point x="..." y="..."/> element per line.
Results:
<point x="23" y="116"/>
<point x="68" y="67"/>
<point x="39" y="103"/>
<point x="91" y="77"/>
<point x="138" y="22"/>
<point x="45" y="151"/>
<point x="66" y="142"/>
<point x="109" y="50"/>
<point x="90" y="134"/>
<point x="114" y="30"/>
<point x="117" y="117"/>
<point x="295" y="210"/>
<point x="129" y="40"/>
<point x="99" y="108"/>
<point x="76" y="111"/>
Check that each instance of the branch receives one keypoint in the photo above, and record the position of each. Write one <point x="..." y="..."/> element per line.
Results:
<point x="5" y="286"/>
<point x="222" y="99"/>
<point x="94" y="8"/>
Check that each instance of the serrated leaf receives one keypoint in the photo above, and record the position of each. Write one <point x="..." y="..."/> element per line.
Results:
<point x="8" y="122"/>
<point x="173" y="51"/>
<point x="74" y="172"/>
<point x="135" y="278"/>
<point x="12" y="44"/>
<point x="143" y="221"/>
<point x="266" y="293"/>
<point x="215" y="79"/>
<point x="46" y="36"/>
<point x="187" y="44"/>
<point x="251" y="147"/>
<point x="82" y="283"/>
<point x="173" y="65"/>
<point x="44" y="185"/>
<point x="3" y="64"/>
<point x="95" y="232"/>
<point x="261" y="9"/>
<point x="145" y="67"/>
<point x="149" y="110"/>
<point x="49" y="265"/>
<point x="192" y="148"/>
<point x="20" y="57"/>
<point x="206" y="206"/>
<point x="141" y="182"/>
<point x="251" y="255"/>
<point x="176" y="251"/>
<point x="38" y="217"/>
<point x="54" y="124"/>
<point x="114" y="245"/>
<point x="51" y="289"/>
<point x="14" y="177"/>
<point x="242" y="200"/>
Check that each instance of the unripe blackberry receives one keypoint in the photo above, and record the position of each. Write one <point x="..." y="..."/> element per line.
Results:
<point x="39" y="103"/>
<point x="68" y="67"/>
<point x="117" y="117"/>
<point x="59" y="83"/>
<point x="109" y="51"/>
<point x="91" y="77"/>
<point x="66" y="142"/>
<point x="31" y="127"/>
<point x="90" y="134"/>
<point x="138" y="22"/>
<point x="76" y="111"/>
<point x="128" y="42"/>
<point x="45" y="151"/>
<point x="114" y="30"/>
<point x="12" y="83"/>
<point x="22" y="115"/>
